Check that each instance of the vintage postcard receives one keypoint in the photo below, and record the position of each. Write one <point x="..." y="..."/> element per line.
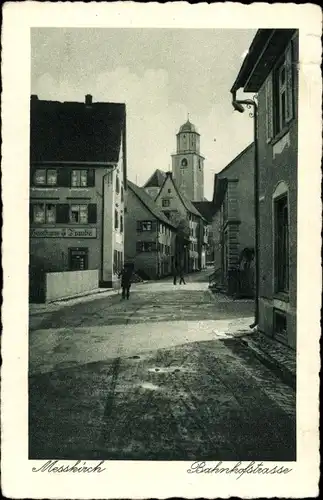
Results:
<point x="161" y="250"/>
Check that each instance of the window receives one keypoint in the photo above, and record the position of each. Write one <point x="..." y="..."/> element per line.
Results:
<point x="165" y="203"/>
<point x="283" y="92"/>
<point x="61" y="213"/>
<point x="51" y="177"/>
<point x="146" y="246"/>
<point x="121" y="224"/>
<point x="117" y="185"/>
<point x="184" y="162"/>
<point x="146" y="226"/>
<point x="43" y="213"/>
<point x="45" y="177"/>
<point x="82" y="178"/>
<point x="40" y="177"/>
<point x="169" y="190"/>
<point x="78" y="214"/>
<point x="122" y="194"/>
<point x="117" y="262"/>
<point x="116" y="219"/>
<point x="281" y="244"/>
<point x="167" y="214"/>
<point x="78" y="259"/>
<point x="50" y="213"/>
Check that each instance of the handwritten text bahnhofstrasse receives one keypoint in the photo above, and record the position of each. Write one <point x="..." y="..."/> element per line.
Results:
<point x="238" y="469"/>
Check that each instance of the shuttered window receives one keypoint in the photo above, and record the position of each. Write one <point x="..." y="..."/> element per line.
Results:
<point x="79" y="214"/>
<point x="62" y="213"/>
<point x="283" y="91"/>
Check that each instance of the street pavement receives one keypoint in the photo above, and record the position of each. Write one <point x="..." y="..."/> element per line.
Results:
<point x="166" y="375"/>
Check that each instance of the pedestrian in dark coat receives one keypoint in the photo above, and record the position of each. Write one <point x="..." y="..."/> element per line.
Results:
<point x="125" y="275"/>
<point x="181" y="276"/>
<point x="175" y="275"/>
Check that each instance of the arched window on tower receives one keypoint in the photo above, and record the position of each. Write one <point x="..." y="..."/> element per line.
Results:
<point x="184" y="163"/>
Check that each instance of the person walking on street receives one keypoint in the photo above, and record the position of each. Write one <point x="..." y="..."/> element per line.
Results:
<point x="175" y="274"/>
<point x="126" y="281"/>
<point x="181" y="276"/>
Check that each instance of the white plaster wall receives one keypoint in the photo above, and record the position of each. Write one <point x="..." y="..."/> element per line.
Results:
<point x="66" y="284"/>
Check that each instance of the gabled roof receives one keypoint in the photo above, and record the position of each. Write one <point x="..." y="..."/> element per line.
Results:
<point x="244" y="151"/>
<point x="189" y="205"/>
<point x="149" y="203"/>
<point x="206" y="208"/>
<point x="75" y="131"/>
<point x="156" y="179"/>
<point x="186" y="202"/>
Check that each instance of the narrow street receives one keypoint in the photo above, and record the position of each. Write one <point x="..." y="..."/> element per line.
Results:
<point x="163" y="376"/>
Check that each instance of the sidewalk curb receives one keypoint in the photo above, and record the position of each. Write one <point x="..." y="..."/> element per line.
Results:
<point x="286" y="375"/>
<point x="80" y="296"/>
<point x="66" y="301"/>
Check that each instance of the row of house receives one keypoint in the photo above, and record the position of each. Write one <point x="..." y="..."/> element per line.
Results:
<point x="86" y="219"/>
<point x="253" y="214"/>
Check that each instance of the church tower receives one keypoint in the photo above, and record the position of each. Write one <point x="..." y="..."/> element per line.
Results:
<point x="188" y="164"/>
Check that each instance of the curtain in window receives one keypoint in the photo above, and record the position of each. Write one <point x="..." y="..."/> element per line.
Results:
<point x="52" y="177"/>
<point x="40" y="177"/>
<point x="39" y="213"/>
<point x="50" y="213"/>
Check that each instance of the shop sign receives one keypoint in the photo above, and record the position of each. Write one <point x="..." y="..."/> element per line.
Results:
<point x="63" y="232"/>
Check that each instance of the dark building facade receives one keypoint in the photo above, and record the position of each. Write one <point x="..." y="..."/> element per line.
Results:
<point x="271" y="70"/>
<point x="235" y="236"/>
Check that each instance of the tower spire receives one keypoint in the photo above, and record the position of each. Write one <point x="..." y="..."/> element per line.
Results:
<point x="188" y="117"/>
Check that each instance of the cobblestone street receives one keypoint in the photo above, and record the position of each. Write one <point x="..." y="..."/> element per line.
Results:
<point x="167" y="375"/>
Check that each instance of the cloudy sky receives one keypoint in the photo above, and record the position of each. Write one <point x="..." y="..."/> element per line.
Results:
<point x="161" y="75"/>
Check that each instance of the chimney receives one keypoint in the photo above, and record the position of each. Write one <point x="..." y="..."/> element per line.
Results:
<point x="88" y="99"/>
<point x="169" y="174"/>
<point x="34" y="97"/>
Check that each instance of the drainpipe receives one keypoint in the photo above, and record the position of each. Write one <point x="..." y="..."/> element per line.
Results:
<point x="238" y="105"/>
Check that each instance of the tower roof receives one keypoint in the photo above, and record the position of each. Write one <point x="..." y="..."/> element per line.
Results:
<point x="188" y="127"/>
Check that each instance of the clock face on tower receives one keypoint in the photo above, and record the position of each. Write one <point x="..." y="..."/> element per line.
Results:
<point x="184" y="162"/>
